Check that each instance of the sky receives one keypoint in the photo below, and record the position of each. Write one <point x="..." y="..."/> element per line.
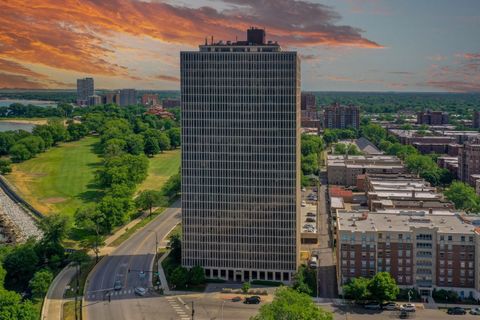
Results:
<point x="344" y="45"/>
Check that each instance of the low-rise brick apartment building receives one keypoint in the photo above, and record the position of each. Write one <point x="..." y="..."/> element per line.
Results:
<point x="419" y="249"/>
<point x="432" y="117"/>
<point x="469" y="161"/>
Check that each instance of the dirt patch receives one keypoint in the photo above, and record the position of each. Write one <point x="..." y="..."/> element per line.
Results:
<point x="54" y="200"/>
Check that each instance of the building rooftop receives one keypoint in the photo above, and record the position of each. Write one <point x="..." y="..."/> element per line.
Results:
<point x="255" y="43"/>
<point x="402" y="221"/>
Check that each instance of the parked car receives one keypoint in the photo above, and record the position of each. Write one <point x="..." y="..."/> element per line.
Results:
<point x="404" y="314"/>
<point x="390" y="306"/>
<point x="257" y="297"/>
<point x="251" y="300"/>
<point x="311" y="214"/>
<point x="456" y="310"/>
<point x="304" y="204"/>
<point x="140" y="291"/>
<point x="409" y="307"/>
<point x="372" y="306"/>
<point x="303" y="189"/>
<point x="475" y="311"/>
<point x="236" y="299"/>
<point x="117" y="285"/>
<point x="310" y="219"/>
<point x="313" y="263"/>
<point x="315" y="189"/>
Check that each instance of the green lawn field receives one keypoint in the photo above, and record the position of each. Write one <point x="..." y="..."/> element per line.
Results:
<point x="161" y="167"/>
<point x="59" y="180"/>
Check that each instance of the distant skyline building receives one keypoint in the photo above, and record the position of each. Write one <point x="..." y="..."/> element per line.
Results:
<point x="338" y="116"/>
<point x="85" y="89"/>
<point x="111" y="97"/>
<point x="128" y="97"/>
<point x="241" y="159"/>
<point x="94" y="100"/>
<point x="434" y="118"/>
<point x="150" y="99"/>
<point x="476" y="120"/>
<point x="171" y="103"/>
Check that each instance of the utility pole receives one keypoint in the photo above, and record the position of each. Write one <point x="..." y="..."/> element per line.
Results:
<point x="193" y="310"/>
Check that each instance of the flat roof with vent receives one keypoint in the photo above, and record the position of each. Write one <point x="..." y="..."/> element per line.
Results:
<point x="449" y="223"/>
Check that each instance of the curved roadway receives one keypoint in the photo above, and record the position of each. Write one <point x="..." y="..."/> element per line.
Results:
<point x="135" y="254"/>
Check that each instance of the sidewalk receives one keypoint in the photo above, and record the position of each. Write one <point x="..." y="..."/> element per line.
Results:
<point x="53" y="303"/>
<point x="161" y="275"/>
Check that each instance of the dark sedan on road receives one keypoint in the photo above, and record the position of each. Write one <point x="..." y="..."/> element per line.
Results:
<point x="252" y="300"/>
<point x="456" y="310"/>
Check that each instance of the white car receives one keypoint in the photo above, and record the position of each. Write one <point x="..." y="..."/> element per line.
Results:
<point x="409" y="307"/>
<point x="304" y="204"/>
<point x="140" y="291"/>
<point x="475" y="311"/>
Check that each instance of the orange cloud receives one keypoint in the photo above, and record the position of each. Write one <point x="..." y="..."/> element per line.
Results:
<point x="11" y="81"/>
<point x="167" y="78"/>
<point x="80" y="35"/>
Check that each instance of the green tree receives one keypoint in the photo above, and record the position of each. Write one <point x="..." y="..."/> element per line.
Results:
<point x="148" y="199"/>
<point x="172" y="187"/>
<point x="357" y="289"/>
<point x="34" y="144"/>
<point x="45" y="133"/>
<point x="463" y="196"/>
<point x="135" y="144"/>
<point x="5" y="166"/>
<point x="288" y="304"/>
<point x="94" y="243"/>
<point x="55" y="228"/>
<point x="12" y="307"/>
<point x="7" y="140"/>
<point x="175" y="137"/>
<point x="310" y="164"/>
<point x="179" y="277"/>
<point x="245" y="287"/>
<point x="40" y="282"/>
<point x="329" y="136"/>
<point x="383" y="287"/>
<point x="151" y="146"/>
<point x="175" y="245"/>
<point x="197" y="276"/>
<point x="163" y="142"/>
<point x="19" y="152"/>
<point x="20" y="264"/>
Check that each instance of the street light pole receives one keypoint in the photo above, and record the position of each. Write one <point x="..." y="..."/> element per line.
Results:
<point x="223" y="303"/>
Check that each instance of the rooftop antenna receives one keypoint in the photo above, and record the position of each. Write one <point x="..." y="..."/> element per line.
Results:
<point x="205" y="40"/>
<point x="212" y="41"/>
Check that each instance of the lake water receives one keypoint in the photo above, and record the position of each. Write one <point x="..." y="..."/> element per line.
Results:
<point x="6" y="126"/>
<point x="40" y="103"/>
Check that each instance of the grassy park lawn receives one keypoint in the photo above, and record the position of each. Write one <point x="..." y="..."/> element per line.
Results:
<point x="162" y="166"/>
<point x="59" y="180"/>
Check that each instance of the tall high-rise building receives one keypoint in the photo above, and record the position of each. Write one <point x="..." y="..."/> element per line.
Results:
<point x="85" y="89"/>
<point x="337" y="116"/>
<point x="128" y="97"/>
<point x="241" y="159"/>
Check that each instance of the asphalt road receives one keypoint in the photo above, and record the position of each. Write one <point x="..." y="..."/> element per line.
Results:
<point x="135" y="254"/>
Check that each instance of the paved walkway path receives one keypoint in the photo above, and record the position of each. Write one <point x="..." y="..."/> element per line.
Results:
<point x="53" y="303"/>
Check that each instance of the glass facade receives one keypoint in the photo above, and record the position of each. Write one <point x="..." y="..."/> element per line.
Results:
<point x="240" y="163"/>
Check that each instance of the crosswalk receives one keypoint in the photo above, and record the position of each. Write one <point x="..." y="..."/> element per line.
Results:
<point x="113" y="294"/>
<point x="176" y="303"/>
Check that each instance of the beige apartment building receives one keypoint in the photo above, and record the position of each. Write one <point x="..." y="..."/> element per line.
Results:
<point x="344" y="169"/>
<point x="421" y="250"/>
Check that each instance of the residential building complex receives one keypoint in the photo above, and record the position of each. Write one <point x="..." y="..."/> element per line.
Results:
<point x="421" y="250"/>
<point x="469" y="161"/>
<point x="310" y="116"/>
<point x="171" y="103"/>
<point x="241" y="159"/>
<point x="85" y="89"/>
<point x="110" y="98"/>
<point x="432" y="117"/>
<point x="339" y="116"/>
<point x="128" y="97"/>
